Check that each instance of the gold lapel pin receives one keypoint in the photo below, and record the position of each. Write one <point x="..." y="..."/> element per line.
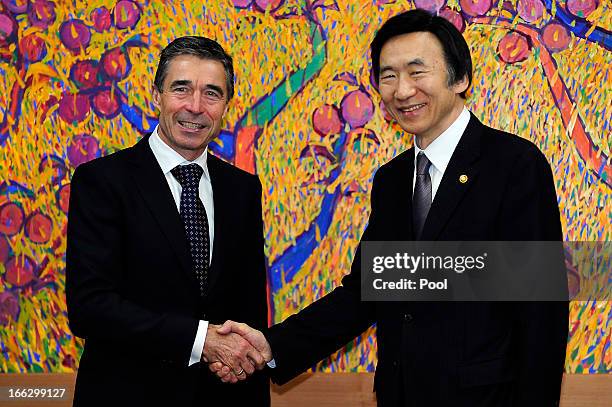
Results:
<point x="463" y="178"/>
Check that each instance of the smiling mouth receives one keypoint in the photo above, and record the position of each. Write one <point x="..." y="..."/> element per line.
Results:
<point x="191" y="125"/>
<point x="412" y="108"/>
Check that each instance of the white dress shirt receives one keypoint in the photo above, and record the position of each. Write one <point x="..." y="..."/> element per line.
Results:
<point x="439" y="152"/>
<point x="167" y="159"/>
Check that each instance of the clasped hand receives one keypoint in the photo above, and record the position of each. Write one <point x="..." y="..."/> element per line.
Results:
<point x="234" y="351"/>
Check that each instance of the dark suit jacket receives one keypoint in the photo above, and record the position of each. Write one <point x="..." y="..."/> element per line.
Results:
<point x="130" y="290"/>
<point x="449" y="354"/>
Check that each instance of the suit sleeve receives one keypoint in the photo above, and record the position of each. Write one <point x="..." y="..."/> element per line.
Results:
<point x="97" y="310"/>
<point x="326" y="325"/>
<point x="540" y="328"/>
<point x="256" y="241"/>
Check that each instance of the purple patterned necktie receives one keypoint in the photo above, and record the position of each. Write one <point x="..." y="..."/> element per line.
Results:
<point x="194" y="220"/>
<point x="421" y="199"/>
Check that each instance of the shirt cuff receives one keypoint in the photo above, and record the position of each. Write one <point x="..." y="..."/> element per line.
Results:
<point x="198" y="344"/>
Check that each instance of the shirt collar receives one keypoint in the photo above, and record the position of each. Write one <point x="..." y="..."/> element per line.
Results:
<point x="168" y="158"/>
<point x="439" y="152"/>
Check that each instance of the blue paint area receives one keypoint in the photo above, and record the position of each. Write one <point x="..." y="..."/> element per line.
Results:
<point x="223" y="145"/>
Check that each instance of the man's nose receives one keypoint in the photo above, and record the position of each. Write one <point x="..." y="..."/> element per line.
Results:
<point x="195" y="103"/>
<point x="406" y="88"/>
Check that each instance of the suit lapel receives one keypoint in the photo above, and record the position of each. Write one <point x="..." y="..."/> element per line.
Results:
<point x="153" y="187"/>
<point x="223" y="203"/>
<point x="458" y="177"/>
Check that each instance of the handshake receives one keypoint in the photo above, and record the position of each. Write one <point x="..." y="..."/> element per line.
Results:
<point x="234" y="351"/>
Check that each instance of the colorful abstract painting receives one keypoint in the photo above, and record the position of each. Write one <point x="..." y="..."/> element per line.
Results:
<point x="75" y="84"/>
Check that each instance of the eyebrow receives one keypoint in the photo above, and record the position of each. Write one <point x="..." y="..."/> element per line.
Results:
<point x="185" y="82"/>
<point x="412" y="62"/>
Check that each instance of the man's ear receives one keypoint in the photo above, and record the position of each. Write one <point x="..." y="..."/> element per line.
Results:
<point x="156" y="97"/>
<point x="461" y="85"/>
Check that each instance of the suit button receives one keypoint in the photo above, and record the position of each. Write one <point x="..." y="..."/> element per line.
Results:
<point x="407" y="317"/>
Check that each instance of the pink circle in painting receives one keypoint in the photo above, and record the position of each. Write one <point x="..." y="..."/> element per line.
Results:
<point x="73" y="108"/>
<point x="127" y="14"/>
<point x="83" y="148"/>
<point x="272" y="5"/>
<point x="19" y="271"/>
<point x="555" y="36"/>
<point x="115" y="64"/>
<point x="38" y="228"/>
<point x="11" y="218"/>
<point x="33" y="48"/>
<point x="8" y="30"/>
<point x="106" y="104"/>
<point x="530" y="10"/>
<point x="475" y="7"/>
<point x="42" y="13"/>
<point x="63" y="198"/>
<point x="75" y="35"/>
<point x="85" y="74"/>
<point x="429" y="5"/>
<point x="582" y="8"/>
<point x="454" y="17"/>
<point x="514" y="47"/>
<point x="101" y="18"/>
<point x="326" y="120"/>
<point x="242" y="3"/>
<point x="357" y="108"/>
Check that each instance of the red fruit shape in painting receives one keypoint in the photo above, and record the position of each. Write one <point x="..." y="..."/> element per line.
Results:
<point x="55" y="166"/>
<point x="42" y="13"/>
<point x="11" y="218"/>
<point x="33" y="48"/>
<point x="115" y="64"/>
<point x="19" y="271"/>
<point x="530" y="10"/>
<point x="430" y="5"/>
<point x="581" y="8"/>
<point x="126" y="14"/>
<point x="514" y="47"/>
<point x="555" y="37"/>
<point x="106" y="104"/>
<point x="264" y="5"/>
<point x="357" y="108"/>
<point x="102" y="19"/>
<point x="8" y="30"/>
<point x="63" y="198"/>
<point x="75" y="35"/>
<point x="73" y="108"/>
<point x="85" y="74"/>
<point x="475" y="7"/>
<point x="38" y="227"/>
<point x="454" y="17"/>
<point x="9" y="307"/>
<point x="83" y="148"/>
<point x="326" y="120"/>
<point x="5" y="249"/>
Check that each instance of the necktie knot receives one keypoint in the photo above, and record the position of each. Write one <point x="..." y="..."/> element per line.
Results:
<point x="188" y="175"/>
<point x="423" y="164"/>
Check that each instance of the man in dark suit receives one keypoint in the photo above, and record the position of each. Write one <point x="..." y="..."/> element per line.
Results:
<point x="164" y="241"/>
<point x="461" y="181"/>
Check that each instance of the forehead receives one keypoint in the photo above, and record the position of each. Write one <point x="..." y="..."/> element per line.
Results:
<point x="407" y="47"/>
<point x="197" y="70"/>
